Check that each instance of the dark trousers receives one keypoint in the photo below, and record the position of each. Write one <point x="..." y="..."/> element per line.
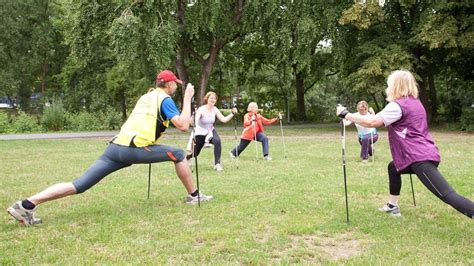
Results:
<point x="116" y="157"/>
<point x="216" y="140"/>
<point x="429" y="175"/>
<point x="245" y="142"/>
<point x="366" y="146"/>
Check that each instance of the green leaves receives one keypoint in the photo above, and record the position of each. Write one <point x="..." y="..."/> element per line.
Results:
<point x="362" y="15"/>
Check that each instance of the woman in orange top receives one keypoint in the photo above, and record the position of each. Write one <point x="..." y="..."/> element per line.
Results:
<point x="253" y="127"/>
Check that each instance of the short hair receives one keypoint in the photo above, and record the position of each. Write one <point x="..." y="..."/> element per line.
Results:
<point x="252" y="104"/>
<point x="208" y="94"/>
<point x="362" y="104"/>
<point x="401" y="83"/>
<point x="161" y="84"/>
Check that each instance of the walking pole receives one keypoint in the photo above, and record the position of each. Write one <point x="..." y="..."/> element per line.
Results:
<point x="236" y="142"/>
<point x="343" y="137"/>
<point x="372" y="145"/>
<point x="412" y="191"/>
<point x="149" y="179"/>
<point x="282" y="137"/>
<point x="255" y="135"/>
<point x="193" y="115"/>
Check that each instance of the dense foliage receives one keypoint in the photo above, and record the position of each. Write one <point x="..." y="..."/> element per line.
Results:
<point x="294" y="56"/>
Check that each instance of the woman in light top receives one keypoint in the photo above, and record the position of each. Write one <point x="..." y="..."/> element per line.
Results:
<point x="367" y="136"/>
<point x="205" y="117"/>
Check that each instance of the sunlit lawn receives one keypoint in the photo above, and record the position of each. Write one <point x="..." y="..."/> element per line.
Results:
<point x="288" y="210"/>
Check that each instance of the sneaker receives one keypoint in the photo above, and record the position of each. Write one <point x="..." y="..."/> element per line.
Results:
<point x="218" y="167"/>
<point x="207" y="145"/>
<point x="365" y="161"/>
<point x="267" y="158"/>
<point x="194" y="200"/>
<point x="394" y="210"/>
<point x="231" y="155"/>
<point x="22" y="215"/>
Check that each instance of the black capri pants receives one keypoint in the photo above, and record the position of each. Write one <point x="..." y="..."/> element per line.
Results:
<point x="429" y="175"/>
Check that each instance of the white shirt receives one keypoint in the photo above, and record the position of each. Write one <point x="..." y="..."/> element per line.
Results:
<point x="390" y="114"/>
<point x="206" y="120"/>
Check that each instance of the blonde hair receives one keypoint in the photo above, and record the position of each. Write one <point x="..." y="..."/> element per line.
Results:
<point x="252" y="104"/>
<point x="401" y="83"/>
<point x="362" y="104"/>
<point x="206" y="97"/>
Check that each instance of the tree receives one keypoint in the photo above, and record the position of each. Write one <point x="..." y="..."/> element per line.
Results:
<point x="30" y="48"/>
<point x="420" y="36"/>
<point x="297" y="32"/>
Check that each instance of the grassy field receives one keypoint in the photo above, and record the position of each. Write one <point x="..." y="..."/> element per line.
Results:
<point x="265" y="212"/>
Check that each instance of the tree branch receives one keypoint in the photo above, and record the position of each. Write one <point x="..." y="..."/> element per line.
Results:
<point x="239" y="11"/>
<point x="195" y="55"/>
<point x="398" y="9"/>
<point x="332" y="74"/>
<point x="309" y="87"/>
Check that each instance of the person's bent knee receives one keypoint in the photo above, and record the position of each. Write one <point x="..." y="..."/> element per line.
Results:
<point x="216" y="142"/>
<point x="177" y="155"/>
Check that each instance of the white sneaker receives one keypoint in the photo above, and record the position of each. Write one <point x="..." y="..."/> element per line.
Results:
<point x="218" y="167"/>
<point x="394" y="211"/>
<point x="231" y="155"/>
<point x="194" y="200"/>
<point x="267" y="158"/>
<point x="22" y="215"/>
<point x="207" y="145"/>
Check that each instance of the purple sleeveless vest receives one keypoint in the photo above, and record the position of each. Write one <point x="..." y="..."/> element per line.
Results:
<point x="409" y="138"/>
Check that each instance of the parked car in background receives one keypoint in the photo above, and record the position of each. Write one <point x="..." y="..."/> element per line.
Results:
<point x="7" y="103"/>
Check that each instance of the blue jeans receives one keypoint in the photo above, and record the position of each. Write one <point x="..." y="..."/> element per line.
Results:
<point x="116" y="157"/>
<point x="245" y="142"/>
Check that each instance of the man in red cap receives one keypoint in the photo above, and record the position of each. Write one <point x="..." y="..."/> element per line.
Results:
<point x="137" y="143"/>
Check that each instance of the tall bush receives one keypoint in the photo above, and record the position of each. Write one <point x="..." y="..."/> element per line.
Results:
<point x="111" y="119"/>
<point x="83" y="121"/>
<point x="4" y="122"/>
<point x="467" y="119"/>
<point x="25" y="123"/>
<point x="53" y="117"/>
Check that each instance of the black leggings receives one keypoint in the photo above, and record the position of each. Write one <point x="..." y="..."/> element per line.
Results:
<point x="429" y="175"/>
<point x="216" y="140"/>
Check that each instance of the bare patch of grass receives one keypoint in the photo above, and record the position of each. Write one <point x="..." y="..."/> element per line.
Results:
<point x="318" y="247"/>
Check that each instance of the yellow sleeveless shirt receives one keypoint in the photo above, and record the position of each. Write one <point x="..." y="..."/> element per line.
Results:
<point x="140" y="128"/>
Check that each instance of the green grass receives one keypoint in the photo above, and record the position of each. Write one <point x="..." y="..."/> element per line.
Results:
<point x="281" y="211"/>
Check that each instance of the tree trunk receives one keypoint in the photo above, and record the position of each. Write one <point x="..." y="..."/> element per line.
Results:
<point x="181" y="51"/>
<point x="123" y="105"/>
<point x="182" y="71"/>
<point x="206" y="71"/>
<point x="432" y="96"/>
<point x="44" y="73"/>
<point x="423" y="96"/>
<point x="300" y="107"/>
<point x="377" y="106"/>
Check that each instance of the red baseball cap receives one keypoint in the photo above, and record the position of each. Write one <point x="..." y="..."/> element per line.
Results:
<point x="166" y="76"/>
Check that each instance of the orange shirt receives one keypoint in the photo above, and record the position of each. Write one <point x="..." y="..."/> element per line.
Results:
<point x="248" y="133"/>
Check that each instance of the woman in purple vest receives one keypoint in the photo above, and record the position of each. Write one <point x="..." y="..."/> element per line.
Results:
<point x="412" y="147"/>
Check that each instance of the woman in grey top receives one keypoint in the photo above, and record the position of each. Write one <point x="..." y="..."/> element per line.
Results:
<point x="205" y="117"/>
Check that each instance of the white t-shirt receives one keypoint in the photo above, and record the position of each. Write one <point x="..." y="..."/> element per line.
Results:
<point x="206" y="120"/>
<point x="390" y="114"/>
<point x="361" y="130"/>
